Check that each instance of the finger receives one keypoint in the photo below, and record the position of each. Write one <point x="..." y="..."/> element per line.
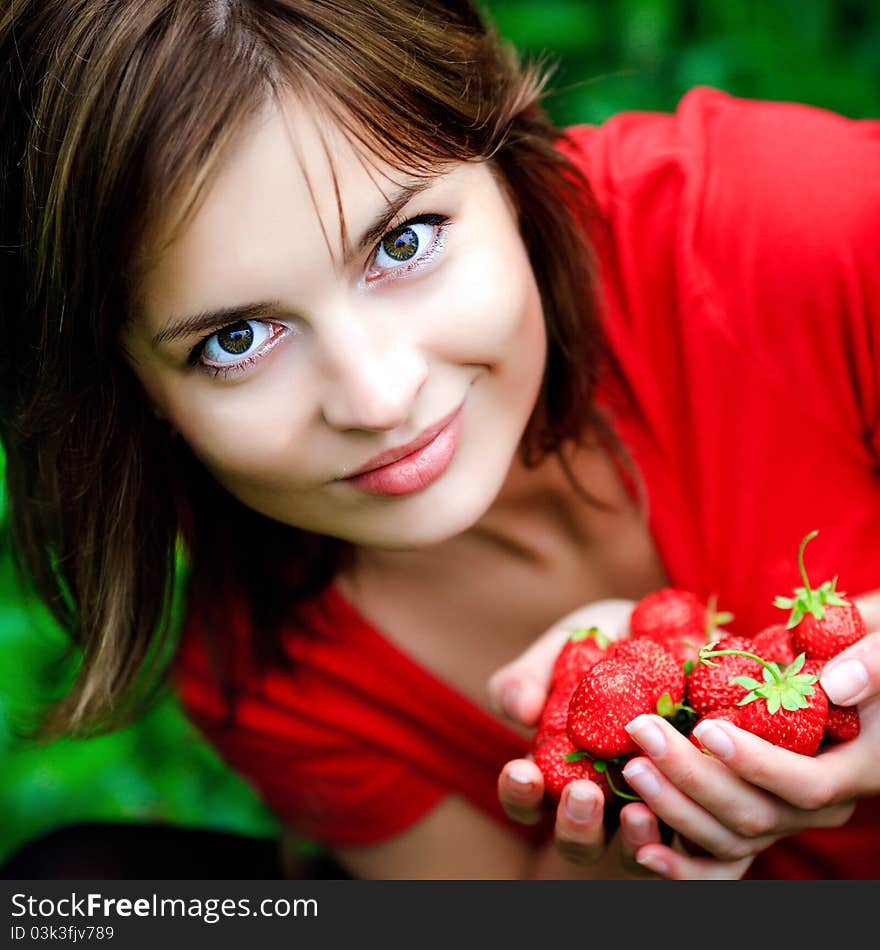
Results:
<point x="869" y="607"/>
<point x="521" y="791"/>
<point x="820" y="785"/>
<point x="854" y="674"/>
<point x="731" y="783"/>
<point x="674" y="865"/>
<point x="519" y="689"/>
<point x="683" y="813"/>
<point x="580" y="827"/>
<point x="638" y="826"/>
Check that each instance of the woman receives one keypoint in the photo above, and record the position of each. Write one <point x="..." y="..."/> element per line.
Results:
<point x="321" y="292"/>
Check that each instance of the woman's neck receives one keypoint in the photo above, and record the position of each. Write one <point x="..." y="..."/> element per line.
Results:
<point x="537" y="513"/>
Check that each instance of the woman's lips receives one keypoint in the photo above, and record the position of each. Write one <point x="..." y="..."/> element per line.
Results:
<point x="416" y="470"/>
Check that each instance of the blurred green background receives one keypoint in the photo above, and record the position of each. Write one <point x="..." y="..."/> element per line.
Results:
<point x="612" y="56"/>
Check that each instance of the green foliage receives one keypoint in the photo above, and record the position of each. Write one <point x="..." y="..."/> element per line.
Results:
<point x="616" y="55"/>
<point x="612" y="55"/>
<point x="160" y="769"/>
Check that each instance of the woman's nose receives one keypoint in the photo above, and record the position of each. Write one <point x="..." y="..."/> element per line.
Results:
<point x="372" y="383"/>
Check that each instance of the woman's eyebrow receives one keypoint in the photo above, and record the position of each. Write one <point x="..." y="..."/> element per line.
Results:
<point x="198" y="323"/>
<point x="394" y="202"/>
<point x="181" y="327"/>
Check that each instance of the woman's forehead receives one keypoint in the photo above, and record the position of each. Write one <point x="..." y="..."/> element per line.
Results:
<point x="294" y="181"/>
<point x="313" y="165"/>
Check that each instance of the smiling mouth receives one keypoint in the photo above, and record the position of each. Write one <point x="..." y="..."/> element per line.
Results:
<point x="402" y="451"/>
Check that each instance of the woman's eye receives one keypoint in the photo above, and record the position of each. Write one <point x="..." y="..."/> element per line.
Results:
<point x="236" y="347"/>
<point x="410" y="245"/>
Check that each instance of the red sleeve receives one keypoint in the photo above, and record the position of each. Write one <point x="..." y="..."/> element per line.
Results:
<point x="355" y="741"/>
<point x="739" y="255"/>
<point x="765" y="214"/>
<point x="788" y="232"/>
<point x="317" y="780"/>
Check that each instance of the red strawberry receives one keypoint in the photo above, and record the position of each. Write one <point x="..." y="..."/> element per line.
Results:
<point x="558" y="771"/>
<point x="583" y="648"/>
<point x="729" y="713"/>
<point x="676" y="619"/>
<point x="610" y="694"/>
<point x="713" y="685"/>
<point x="843" y="723"/>
<point x="788" y="708"/>
<point x="822" y="623"/>
<point x="664" y="673"/>
<point x="554" y="717"/>
<point x="774" y="643"/>
<point x="822" y="639"/>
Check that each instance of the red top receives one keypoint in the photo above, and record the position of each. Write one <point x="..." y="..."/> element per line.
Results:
<point x="742" y="289"/>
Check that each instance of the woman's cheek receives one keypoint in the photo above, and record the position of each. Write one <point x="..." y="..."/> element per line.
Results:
<point x="235" y="432"/>
<point x="487" y="302"/>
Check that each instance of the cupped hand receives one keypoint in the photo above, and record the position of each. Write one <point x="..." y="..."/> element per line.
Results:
<point x="738" y="801"/>
<point x="636" y="850"/>
<point x="519" y="689"/>
<point x="748" y="793"/>
<point x="579" y="834"/>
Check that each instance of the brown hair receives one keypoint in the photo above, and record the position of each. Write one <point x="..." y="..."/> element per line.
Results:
<point x="112" y="113"/>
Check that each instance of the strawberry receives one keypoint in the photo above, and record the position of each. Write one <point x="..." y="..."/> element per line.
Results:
<point x="843" y="723"/>
<point x="788" y="708"/>
<point x="610" y="694"/>
<point x="560" y="763"/>
<point x="554" y="717"/>
<point x="583" y="648"/>
<point x="713" y="685"/>
<point x="774" y="643"/>
<point x="663" y="672"/>
<point x="821" y="622"/>
<point x="728" y="713"/>
<point x="676" y="619"/>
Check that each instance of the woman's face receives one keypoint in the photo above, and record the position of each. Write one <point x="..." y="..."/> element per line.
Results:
<point x="366" y="323"/>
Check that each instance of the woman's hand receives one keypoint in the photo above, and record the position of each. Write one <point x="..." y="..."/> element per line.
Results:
<point x="519" y="690"/>
<point x="752" y="792"/>
<point x="730" y="805"/>
<point x="635" y="850"/>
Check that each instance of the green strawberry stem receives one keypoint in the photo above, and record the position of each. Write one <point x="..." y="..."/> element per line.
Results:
<point x="772" y="667"/>
<point x="601" y="766"/>
<point x="801" y="567"/>
<point x="714" y="619"/>
<point x="806" y="600"/>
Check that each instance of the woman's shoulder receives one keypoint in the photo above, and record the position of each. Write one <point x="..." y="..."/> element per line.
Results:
<point x="710" y="124"/>
<point x="738" y="201"/>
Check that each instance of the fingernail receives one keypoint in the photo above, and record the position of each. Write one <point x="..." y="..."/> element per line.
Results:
<point x="653" y="863"/>
<point x="638" y="830"/>
<point x="844" y="681"/>
<point x="580" y="804"/>
<point x="520" y="777"/>
<point x="642" y="779"/>
<point x="648" y="735"/>
<point x="714" y="738"/>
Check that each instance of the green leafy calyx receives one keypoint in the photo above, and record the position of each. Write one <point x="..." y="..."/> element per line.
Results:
<point x="807" y="600"/>
<point x="576" y="756"/>
<point x="781" y="689"/>
<point x="714" y="617"/>
<point x="581" y="633"/>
